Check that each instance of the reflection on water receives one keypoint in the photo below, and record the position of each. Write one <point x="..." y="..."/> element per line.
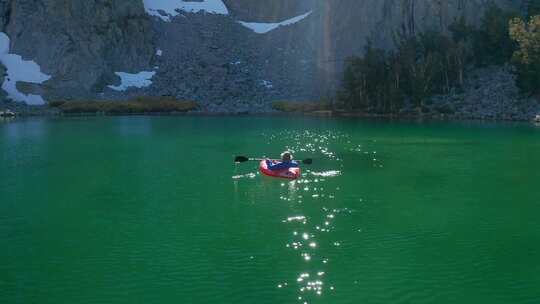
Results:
<point x="304" y="238"/>
<point x="313" y="201"/>
<point x="305" y="232"/>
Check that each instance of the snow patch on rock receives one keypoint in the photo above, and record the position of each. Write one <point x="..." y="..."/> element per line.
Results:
<point x="165" y="9"/>
<point x="138" y="80"/>
<point x="263" y="28"/>
<point x="267" y="84"/>
<point x="20" y="70"/>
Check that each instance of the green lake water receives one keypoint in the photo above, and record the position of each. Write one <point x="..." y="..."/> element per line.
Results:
<point x="152" y="210"/>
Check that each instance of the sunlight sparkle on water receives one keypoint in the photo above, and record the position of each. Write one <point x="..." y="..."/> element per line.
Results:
<point x="248" y="175"/>
<point x="331" y="173"/>
<point x="318" y="146"/>
<point x="299" y="218"/>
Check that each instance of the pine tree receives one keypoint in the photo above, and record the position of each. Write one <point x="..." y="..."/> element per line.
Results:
<point x="527" y="57"/>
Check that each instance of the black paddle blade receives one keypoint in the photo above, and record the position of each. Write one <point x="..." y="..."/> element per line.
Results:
<point x="240" y="159"/>
<point x="308" y="161"/>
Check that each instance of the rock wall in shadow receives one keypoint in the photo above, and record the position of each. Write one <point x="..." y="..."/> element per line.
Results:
<point x="212" y="58"/>
<point x="79" y="42"/>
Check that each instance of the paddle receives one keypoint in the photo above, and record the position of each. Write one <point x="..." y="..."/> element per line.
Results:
<point x="243" y="159"/>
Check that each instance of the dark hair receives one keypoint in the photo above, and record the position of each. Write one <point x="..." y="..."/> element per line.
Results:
<point x="286" y="155"/>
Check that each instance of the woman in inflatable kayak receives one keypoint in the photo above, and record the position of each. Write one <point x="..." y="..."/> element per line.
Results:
<point x="286" y="168"/>
<point x="285" y="163"/>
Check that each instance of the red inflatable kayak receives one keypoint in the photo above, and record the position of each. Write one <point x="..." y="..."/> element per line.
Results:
<point x="291" y="173"/>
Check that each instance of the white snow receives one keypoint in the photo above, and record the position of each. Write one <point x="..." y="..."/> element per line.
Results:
<point x="159" y="52"/>
<point x="138" y="80"/>
<point x="20" y="70"/>
<point x="263" y="28"/>
<point x="171" y="7"/>
<point x="267" y="84"/>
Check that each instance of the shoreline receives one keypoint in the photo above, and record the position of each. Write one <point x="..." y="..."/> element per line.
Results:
<point x="489" y="94"/>
<point x="318" y="114"/>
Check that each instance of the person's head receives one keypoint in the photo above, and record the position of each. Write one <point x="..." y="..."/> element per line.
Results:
<point x="286" y="156"/>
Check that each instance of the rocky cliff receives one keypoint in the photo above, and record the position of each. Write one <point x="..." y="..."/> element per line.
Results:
<point x="78" y="42"/>
<point x="208" y="55"/>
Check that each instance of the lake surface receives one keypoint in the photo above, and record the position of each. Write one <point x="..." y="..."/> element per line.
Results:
<point x="152" y="210"/>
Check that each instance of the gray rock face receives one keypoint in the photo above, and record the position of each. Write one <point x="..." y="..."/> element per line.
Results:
<point x="3" y="94"/>
<point x="339" y="29"/>
<point x="269" y="11"/>
<point x="79" y="42"/>
<point x="215" y="60"/>
<point x="488" y="93"/>
<point x="347" y="25"/>
<point x="212" y="58"/>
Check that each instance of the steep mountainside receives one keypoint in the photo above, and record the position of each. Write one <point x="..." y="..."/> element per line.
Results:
<point x="346" y="25"/>
<point x="78" y="42"/>
<point x="199" y="53"/>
